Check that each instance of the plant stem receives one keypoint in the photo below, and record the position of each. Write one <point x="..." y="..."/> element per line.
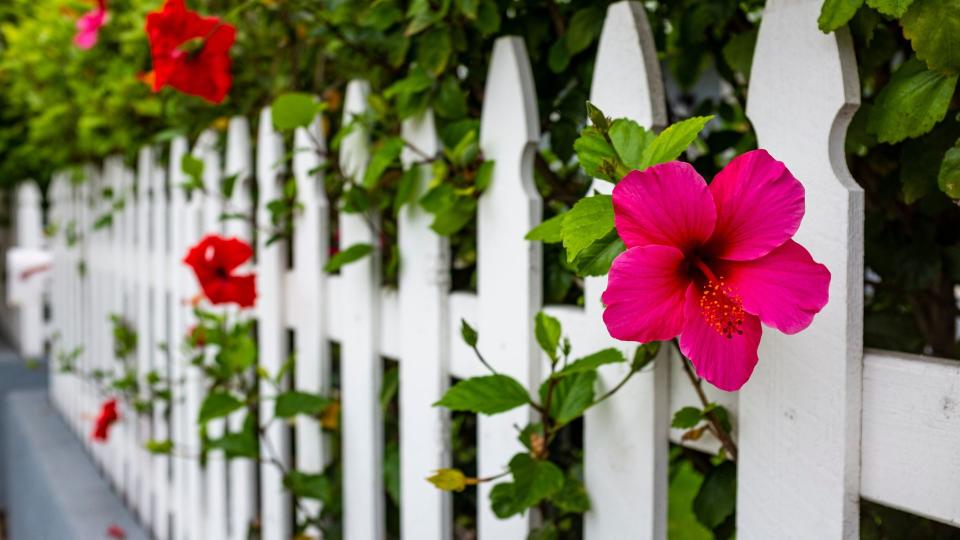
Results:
<point x="725" y="439"/>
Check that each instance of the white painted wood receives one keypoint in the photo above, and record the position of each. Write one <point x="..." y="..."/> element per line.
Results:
<point x="139" y="279"/>
<point x="242" y="496"/>
<point x="160" y="347"/>
<point x="215" y="473"/>
<point x="799" y="469"/>
<point x="28" y="222"/>
<point x="311" y="246"/>
<point x="275" y="507"/>
<point x="360" y="364"/>
<point x="635" y="422"/>
<point x="424" y="284"/>
<point x="911" y="434"/>
<point x="509" y="273"/>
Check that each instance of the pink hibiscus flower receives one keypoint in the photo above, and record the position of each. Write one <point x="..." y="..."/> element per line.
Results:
<point x="710" y="263"/>
<point x="88" y="26"/>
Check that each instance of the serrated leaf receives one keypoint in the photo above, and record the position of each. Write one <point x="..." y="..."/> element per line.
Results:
<point x="550" y="231"/>
<point x="738" y="52"/>
<point x="217" y="404"/>
<point x="293" y="402"/>
<point x="912" y="102"/>
<point x="293" y="110"/>
<point x="572" y="395"/>
<point x="588" y="221"/>
<point x="534" y="479"/>
<point x="572" y="497"/>
<point x="630" y="140"/>
<point x="593" y="361"/>
<point x="595" y="259"/>
<point x="717" y="497"/>
<point x="490" y="394"/>
<point x="686" y="418"/>
<point x="836" y="13"/>
<point x="890" y="8"/>
<point x="347" y="256"/>
<point x="673" y="141"/>
<point x="547" y="331"/>
<point x="593" y="152"/>
<point x="932" y="26"/>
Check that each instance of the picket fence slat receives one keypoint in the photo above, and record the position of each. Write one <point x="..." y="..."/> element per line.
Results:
<point x="800" y="414"/>
<point x="911" y="433"/>
<point x="797" y="421"/>
<point x="423" y="289"/>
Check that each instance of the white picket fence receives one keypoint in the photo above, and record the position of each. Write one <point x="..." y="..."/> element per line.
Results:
<point x="821" y="423"/>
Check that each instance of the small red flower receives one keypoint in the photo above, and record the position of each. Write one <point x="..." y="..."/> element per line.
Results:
<point x="116" y="532"/>
<point x="190" y="53"/>
<point x="214" y="260"/>
<point x="107" y="417"/>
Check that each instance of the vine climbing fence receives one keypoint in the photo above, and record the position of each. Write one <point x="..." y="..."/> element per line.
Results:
<point x="821" y="423"/>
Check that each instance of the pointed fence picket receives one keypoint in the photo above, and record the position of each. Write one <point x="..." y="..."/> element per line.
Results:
<point x="803" y="461"/>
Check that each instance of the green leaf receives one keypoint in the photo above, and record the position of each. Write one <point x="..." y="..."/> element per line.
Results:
<point x="593" y="361"/>
<point x="159" y="447"/>
<point x="450" y="220"/>
<point x="386" y="155"/>
<point x="921" y="159"/>
<point x="572" y="497"/>
<point x="416" y="81"/>
<point x="630" y="140"/>
<point x="490" y="394"/>
<point x="572" y="395"/>
<point x="434" y="49"/>
<point x="547" y="331"/>
<point x="293" y="110"/>
<point x="293" y="402"/>
<point x="673" y="141"/>
<point x="451" y="100"/>
<point x="193" y="168"/>
<point x="389" y="387"/>
<point x="550" y="231"/>
<point x="738" y="52"/>
<point x="241" y="354"/>
<point x="588" y="221"/>
<point x="468" y="333"/>
<point x="644" y="354"/>
<point x="347" y="256"/>
<point x="391" y="471"/>
<point x="559" y="57"/>
<point x="595" y="154"/>
<point x="949" y="177"/>
<point x="686" y="418"/>
<point x="890" y="8"/>
<point x="240" y="444"/>
<point x="534" y="479"/>
<point x="717" y="498"/>
<point x="484" y="176"/>
<point x="504" y="501"/>
<point x="932" y="26"/>
<point x="596" y="259"/>
<point x="217" y="404"/>
<point x="912" y="102"/>
<point x="836" y="13"/>
<point x="585" y="26"/>
<point x="449" y="479"/>
<point x="406" y="188"/>
<point x="308" y="486"/>
<point x="548" y="531"/>
<point x="488" y="17"/>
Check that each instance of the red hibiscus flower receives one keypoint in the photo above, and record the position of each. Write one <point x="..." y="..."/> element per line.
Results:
<point x="214" y="260"/>
<point x="107" y="417"/>
<point x="190" y="52"/>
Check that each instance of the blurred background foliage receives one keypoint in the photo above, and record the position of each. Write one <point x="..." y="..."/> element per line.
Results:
<point x="61" y="106"/>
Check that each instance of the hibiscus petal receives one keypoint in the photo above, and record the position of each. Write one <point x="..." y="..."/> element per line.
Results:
<point x="785" y="287"/>
<point x="725" y="362"/>
<point x="667" y="205"/>
<point x="644" y="295"/>
<point x="230" y="253"/>
<point x="759" y="206"/>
